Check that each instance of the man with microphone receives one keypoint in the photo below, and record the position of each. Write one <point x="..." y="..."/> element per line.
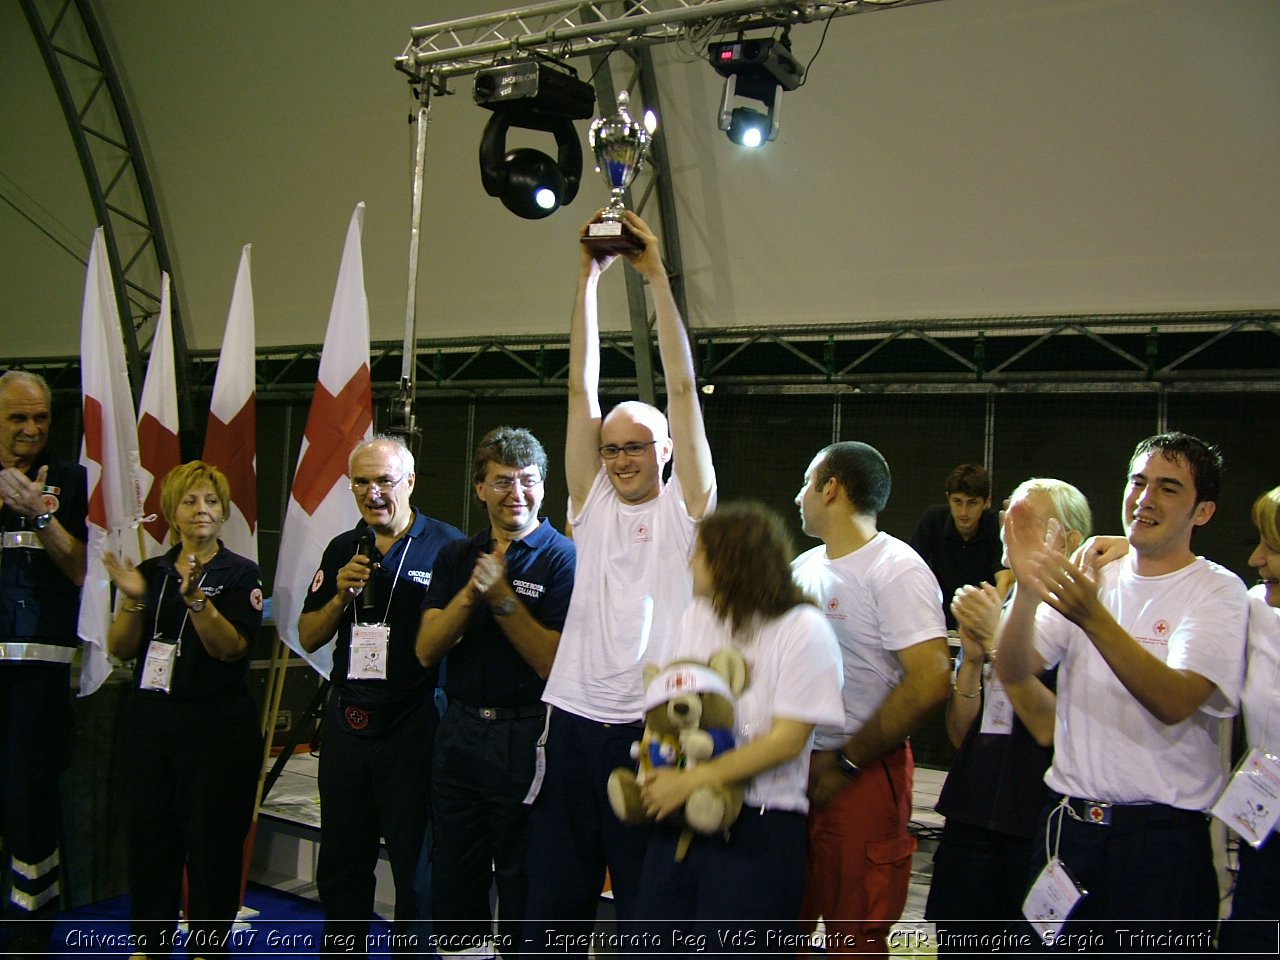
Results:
<point x="380" y="724"/>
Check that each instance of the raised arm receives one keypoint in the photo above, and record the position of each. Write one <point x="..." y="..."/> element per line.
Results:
<point x="1024" y="534"/>
<point x="124" y="636"/>
<point x="582" y="432"/>
<point x="442" y="628"/>
<point x="977" y="611"/>
<point x="27" y="498"/>
<point x="692" y="453"/>
<point x="317" y="627"/>
<point x="1170" y="695"/>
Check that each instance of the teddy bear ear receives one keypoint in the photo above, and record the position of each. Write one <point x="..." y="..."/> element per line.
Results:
<point x="731" y="665"/>
<point x="651" y="670"/>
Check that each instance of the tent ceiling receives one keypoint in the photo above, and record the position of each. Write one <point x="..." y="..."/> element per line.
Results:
<point x="947" y="160"/>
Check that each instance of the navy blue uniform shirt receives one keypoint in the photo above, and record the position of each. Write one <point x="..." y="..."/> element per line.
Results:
<point x="484" y="669"/>
<point x="413" y="556"/>
<point x="234" y="586"/>
<point x="37" y="601"/>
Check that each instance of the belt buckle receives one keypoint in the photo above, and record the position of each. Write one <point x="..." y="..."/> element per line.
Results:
<point x="1096" y="811"/>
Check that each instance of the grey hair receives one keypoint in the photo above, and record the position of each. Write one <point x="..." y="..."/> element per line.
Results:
<point x="30" y="379"/>
<point x="384" y="440"/>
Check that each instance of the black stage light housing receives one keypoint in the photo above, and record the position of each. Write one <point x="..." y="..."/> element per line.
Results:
<point x="536" y="86"/>
<point x="518" y="177"/>
<point x="760" y="65"/>
<point x="532" y="95"/>
<point x="755" y="69"/>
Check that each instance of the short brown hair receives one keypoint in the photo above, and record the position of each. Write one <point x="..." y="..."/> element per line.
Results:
<point x="971" y="479"/>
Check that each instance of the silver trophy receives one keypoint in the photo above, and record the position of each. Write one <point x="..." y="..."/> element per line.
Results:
<point x="620" y="146"/>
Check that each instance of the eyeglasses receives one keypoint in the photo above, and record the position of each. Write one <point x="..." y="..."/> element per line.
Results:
<point x="610" y="451"/>
<point x="382" y="485"/>
<point x="505" y="485"/>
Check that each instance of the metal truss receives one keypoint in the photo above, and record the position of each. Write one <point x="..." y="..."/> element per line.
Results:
<point x="114" y="167"/>
<point x="571" y="28"/>
<point x="1210" y="353"/>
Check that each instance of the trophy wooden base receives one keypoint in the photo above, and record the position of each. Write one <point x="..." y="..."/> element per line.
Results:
<point x="609" y="237"/>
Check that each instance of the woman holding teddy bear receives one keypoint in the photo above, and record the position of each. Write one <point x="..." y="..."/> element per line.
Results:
<point x="740" y="891"/>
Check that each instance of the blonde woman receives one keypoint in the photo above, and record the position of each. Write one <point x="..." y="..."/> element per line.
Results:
<point x="190" y="746"/>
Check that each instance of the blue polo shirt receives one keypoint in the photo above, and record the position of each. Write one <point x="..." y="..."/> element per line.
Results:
<point x="484" y="669"/>
<point x="409" y="567"/>
<point x="37" y="601"/>
<point x="233" y="585"/>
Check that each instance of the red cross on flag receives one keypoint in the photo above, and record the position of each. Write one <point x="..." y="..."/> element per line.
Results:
<point x="320" y="503"/>
<point x="158" y="446"/>
<point x="231" y="437"/>
<point x="109" y="454"/>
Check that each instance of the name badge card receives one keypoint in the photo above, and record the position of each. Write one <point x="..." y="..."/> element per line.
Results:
<point x="369" y="651"/>
<point x="157" y="667"/>
<point x="1051" y="899"/>
<point x="1250" y="804"/>
<point x="997" y="709"/>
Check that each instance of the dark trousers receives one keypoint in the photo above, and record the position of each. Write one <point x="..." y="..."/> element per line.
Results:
<point x="35" y="747"/>
<point x="1255" y="905"/>
<point x="1149" y="873"/>
<point x="481" y="773"/>
<point x="371" y="788"/>
<point x="574" y="835"/>
<point x="979" y="882"/>
<point x="188" y="770"/>
<point x="736" y="896"/>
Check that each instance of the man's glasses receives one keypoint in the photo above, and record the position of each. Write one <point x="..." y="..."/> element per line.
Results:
<point x="610" y="451"/>
<point x="504" y="485"/>
<point x="382" y="485"/>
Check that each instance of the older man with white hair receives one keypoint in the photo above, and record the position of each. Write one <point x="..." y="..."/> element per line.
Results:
<point x="375" y="762"/>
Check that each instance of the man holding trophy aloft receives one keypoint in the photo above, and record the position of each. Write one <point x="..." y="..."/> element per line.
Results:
<point x="634" y="534"/>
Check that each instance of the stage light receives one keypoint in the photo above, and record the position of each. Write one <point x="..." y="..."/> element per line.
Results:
<point x="748" y="127"/>
<point x="532" y="95"/>
<point x="755" y="70"/>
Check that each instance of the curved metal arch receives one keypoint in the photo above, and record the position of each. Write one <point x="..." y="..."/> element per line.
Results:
<point x="115" y="173"/>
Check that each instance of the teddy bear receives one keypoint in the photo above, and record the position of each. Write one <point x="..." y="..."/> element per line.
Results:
<point x="688" y="720"/>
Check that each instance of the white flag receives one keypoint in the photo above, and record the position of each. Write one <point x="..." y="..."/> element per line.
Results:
<point x="158" y="446"/>
<point x="230" y="440"/>
<point x="320" y="504"/>
<point x="109" y="455"/>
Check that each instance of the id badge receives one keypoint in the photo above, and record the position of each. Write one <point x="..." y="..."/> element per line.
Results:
<point x="1051" y="899"/>
<point x="369" y="651"/>
<point x="1250" y="804"/>
<point x="997" y="708"/>
<point x="157" y="667"/>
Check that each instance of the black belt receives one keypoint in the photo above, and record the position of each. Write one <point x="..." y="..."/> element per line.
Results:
<point x="537" y="710"/>
<point x="1131" y="814"/>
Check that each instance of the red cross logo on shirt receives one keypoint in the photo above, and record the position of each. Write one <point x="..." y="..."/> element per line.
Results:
<point x="1161" y="627"/>
<point x="832" y="605"/>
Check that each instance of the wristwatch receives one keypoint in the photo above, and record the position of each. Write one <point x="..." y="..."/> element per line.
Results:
<point x="195" y="606"/>
<point x="42" y="521"/>
<point x="847" y="766"/>
<point x="504" y="608"/>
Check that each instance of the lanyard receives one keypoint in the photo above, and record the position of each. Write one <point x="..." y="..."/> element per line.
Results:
<point x="186" y="615"/>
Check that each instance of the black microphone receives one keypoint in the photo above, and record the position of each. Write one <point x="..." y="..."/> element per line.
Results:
<point x="368" y="548"/>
